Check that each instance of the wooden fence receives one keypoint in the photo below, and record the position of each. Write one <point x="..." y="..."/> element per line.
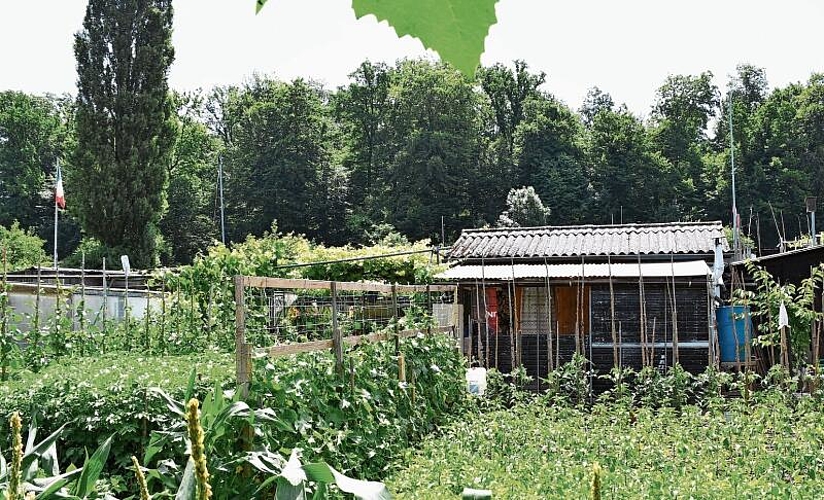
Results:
<point x="244" y="351"/>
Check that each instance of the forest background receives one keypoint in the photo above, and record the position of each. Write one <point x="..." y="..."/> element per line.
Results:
<point x="401" y="149"/>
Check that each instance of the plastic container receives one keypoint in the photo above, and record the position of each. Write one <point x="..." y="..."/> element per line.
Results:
<point x="476" y="381"/>
<point x="734" y="329"/>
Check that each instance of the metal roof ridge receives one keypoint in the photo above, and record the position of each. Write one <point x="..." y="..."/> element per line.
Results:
<point x="714" y="223"/>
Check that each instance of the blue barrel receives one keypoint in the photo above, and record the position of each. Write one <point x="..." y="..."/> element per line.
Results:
<point x="733" y="321"/>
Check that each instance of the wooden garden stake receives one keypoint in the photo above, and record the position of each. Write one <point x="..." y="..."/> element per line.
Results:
<point x="675" y="353"/>
<point x="615" y="359"/>
<point x="243" y="355"/>
<point x="337" y="343"/>
<point x="396" y="327"/>
<point x="401" y="368"/>
<point x="82" y="312"/>
<point x="36" y="321"/>
<point x="785" y="351"/>
<point x="351" y="374"/>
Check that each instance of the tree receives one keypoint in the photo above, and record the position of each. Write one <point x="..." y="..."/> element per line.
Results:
<point x="548" y="147"/>
<point x="190" y="224"/>
<point x="631" y="181"/>
<point x="434" y="149"/>
<point x="22" y="248"/>
<point x="523" y="209"/>
<point x="683" y="108"/>
<point x="507" y="91"/>
<point x="362" y="110"/>
<point x="279" y="164"/>
<point x="595" y="101"/>
<point x="125" y="123"/>
<point x="33" y="136"/>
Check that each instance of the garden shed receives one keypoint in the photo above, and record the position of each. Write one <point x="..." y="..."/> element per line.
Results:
<point x="621" y="295"/>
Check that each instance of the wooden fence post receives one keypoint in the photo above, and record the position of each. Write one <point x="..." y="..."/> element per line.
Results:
<point x="395" y="318"/>
<point x="337" y="343"/>
<point x="429" y="309"/>
<point x="243" y="355"/>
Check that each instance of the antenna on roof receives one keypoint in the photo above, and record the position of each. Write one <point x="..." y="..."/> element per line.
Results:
<point x="735" y="241"/>
<point x="777" y="229"/>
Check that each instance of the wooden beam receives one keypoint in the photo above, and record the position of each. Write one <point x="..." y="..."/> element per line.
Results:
<point x="352" y="340"/>
<point x="264" y="282"/>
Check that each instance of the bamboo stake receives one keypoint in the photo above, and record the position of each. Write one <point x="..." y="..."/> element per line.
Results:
<point x="513" y="342"/>
<point x="4" y="303"/>
<point x="675" y="354"/>
<point x="147" y="316"/>
<point x="82" y="312"/>
<point x="36" y="322"/>
<point x="549" y="342"/>
<point x="615" y="360"/>
<point x="162" y="339"/>
<point x="642" y="315"/>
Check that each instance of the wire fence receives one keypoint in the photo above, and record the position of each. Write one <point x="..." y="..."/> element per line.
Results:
<point x="277" y="317"/>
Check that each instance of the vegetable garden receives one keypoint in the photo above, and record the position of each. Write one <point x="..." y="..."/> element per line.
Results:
<point x="352" y="384"/>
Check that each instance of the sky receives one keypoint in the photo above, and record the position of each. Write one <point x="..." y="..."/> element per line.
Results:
<point x="625" y="47"/>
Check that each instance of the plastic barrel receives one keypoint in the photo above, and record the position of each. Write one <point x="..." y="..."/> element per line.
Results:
<point x="733" y="322"/>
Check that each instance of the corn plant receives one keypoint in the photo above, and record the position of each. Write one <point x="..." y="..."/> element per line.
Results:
<point x="35" y="469"/>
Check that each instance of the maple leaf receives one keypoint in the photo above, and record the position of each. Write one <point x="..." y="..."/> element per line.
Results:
<point x="455" y="29"/>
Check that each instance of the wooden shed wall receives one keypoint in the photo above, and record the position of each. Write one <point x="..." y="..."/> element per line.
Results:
<point x="691" y="305"/>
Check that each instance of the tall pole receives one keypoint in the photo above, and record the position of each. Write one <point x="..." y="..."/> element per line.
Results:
<point x="55" y="214"/>
<point x="735" y="243"/>
<point x="220" y="184"/>
<point x="443" y="232"/>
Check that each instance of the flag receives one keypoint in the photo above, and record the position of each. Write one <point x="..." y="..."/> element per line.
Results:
<point x="59" y="196"/>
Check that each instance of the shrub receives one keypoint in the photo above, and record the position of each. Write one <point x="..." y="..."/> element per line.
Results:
<point x="23" y="248"/>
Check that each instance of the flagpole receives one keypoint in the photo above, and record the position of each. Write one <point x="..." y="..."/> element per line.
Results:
<point x="55" y="219"/>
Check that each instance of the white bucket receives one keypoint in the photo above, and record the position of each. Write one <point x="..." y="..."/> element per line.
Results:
<point x="476" y="381"/>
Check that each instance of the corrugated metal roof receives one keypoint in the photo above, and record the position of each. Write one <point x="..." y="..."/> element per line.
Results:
<point x="568" y="241"/>
<point x="619" y="270"/>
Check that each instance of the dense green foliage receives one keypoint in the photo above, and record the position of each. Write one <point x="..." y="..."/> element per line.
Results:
<point x="765" y="300"/>
<point x="19" y="248"/>
<point x="34" y="133"/>
<point x="772" y="448"/>
<point x="400" y="147"/>
<point x="362" y="421"/>
<point x="108" y="394"/>
<point x="358" y="422"/>
<point x="125" y="124"/>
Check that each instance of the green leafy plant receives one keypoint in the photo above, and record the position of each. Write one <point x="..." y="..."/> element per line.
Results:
<point x="765" y="302"/>
<point x="35" y="469"/>
<point x="456" y="29"/>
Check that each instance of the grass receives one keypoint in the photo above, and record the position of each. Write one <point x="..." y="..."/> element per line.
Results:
<point x="770" y="449"/>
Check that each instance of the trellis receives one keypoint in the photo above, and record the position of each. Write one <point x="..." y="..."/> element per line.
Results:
<point x="265" y="307"/>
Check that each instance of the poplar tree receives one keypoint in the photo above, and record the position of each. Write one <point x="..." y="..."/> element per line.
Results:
<point x="125" y="124"/>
